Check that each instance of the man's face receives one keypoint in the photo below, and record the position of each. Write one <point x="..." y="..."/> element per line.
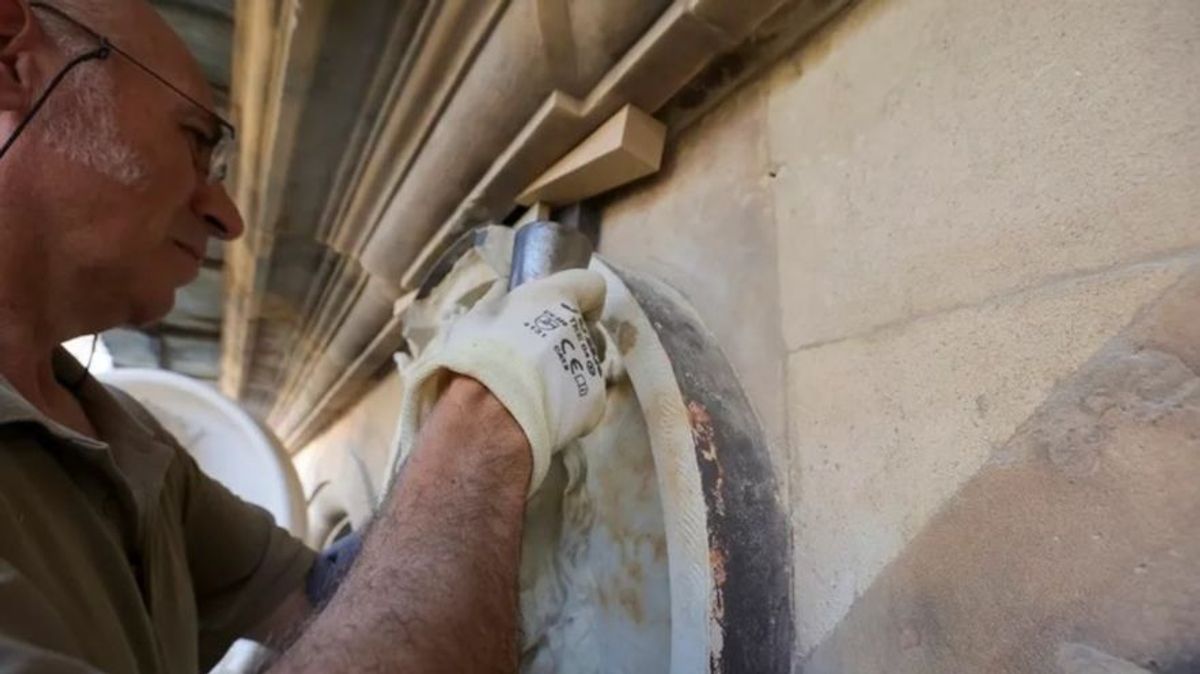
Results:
<point x="137" y="212"/>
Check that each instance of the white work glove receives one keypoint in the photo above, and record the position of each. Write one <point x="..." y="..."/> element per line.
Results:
<point x="533" y="350"/>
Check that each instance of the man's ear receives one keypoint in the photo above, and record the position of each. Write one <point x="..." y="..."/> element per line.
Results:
<point x="18" y="33"/>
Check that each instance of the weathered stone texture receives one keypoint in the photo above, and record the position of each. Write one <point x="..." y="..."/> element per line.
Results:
<point x="1080" y="530"/>
<point x="933" y="154"/>
<point x="886" y="428"/>
<point x="915" y="240"/>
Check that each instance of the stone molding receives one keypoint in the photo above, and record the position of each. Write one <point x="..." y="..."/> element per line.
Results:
<point x="467" y="103"/>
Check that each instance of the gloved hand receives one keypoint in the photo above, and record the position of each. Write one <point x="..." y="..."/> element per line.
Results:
<point x="532" y="349"/>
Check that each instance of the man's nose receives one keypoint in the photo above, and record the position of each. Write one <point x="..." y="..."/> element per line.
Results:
<point x="213" y="204"/>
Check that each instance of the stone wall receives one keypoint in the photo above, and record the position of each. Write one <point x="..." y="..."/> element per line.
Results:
<point x="915" y="238"/>
<point x="951" y="247"/>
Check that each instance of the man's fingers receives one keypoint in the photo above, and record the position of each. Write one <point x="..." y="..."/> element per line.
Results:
<point x="583" y="286"/>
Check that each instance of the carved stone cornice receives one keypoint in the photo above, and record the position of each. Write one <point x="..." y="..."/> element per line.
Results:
<point x="468" y="102"/>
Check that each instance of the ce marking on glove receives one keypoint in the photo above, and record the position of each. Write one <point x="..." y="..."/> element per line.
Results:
<point x="566" y="351"/>
<point x="575" y="352"/>
<point x="546" y="323"/>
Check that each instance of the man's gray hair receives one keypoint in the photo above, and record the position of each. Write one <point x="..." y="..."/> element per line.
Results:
<point x="82" y="123"/>
<point x="92" y="13"/>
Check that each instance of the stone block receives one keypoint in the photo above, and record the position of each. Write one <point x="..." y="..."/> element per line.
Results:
<point x="1074" y="549"/>
<point x="931" y="155"/>
<point x="886" y="428"/>
<point x="626" y="147"/>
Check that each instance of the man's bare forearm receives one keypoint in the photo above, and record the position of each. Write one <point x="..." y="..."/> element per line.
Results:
<point x="435" y="587"/>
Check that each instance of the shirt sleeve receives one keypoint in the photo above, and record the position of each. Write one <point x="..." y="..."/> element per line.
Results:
<point x="242" y="564"/>
<point x="32" y="638"/>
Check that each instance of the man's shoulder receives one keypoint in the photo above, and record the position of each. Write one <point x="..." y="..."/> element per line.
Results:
<point x="142" y="415"/>
<point x="159" y="446"/>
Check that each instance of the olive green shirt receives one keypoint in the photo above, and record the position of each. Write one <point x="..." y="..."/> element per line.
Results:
<point x="122" y="555"/>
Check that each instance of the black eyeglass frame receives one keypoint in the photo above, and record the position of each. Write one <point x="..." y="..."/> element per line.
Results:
<point x="220" y="146"/>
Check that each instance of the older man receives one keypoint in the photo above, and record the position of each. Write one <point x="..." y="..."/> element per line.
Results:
<point x="117" y="553"/>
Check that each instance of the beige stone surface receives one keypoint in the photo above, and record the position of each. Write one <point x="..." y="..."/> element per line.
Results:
<point x="886" y="428"/>
<point x="932" y="154"/>
<point x="704" y="225"/>
<point x="1077" y="539"/>
<point x="351" y="455"/>
<point x="909" y="238"/>
<point x="970" y="199"/>
<point x="626" y="147"/>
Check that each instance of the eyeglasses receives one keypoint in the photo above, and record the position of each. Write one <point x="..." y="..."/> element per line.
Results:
<point x="215" y="152"/>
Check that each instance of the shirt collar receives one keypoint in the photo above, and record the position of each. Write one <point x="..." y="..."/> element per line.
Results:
<point x="14" y="408"/>
<point x="140" y="451"/>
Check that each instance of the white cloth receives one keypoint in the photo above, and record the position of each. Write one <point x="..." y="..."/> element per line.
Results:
<point x="533" y="349"/>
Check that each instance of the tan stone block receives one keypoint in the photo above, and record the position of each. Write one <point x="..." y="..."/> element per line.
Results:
<point x="626" y="147"/>
<point x="886" y="428"/>
<point x="931" y="155"/>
